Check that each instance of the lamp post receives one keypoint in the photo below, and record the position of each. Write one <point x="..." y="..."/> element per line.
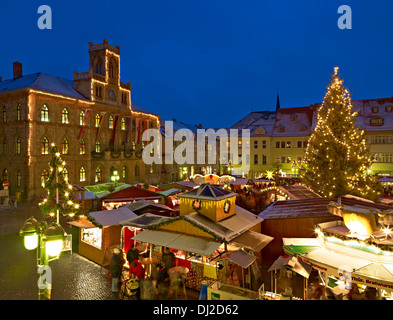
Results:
<point x="48" y="240"/>
<point x="115" y="177"/>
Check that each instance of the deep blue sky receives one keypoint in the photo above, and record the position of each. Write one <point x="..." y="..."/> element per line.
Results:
<point x="210" y="62"/>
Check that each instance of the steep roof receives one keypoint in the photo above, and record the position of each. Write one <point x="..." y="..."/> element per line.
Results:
<point x="208" y="192"/>
<point x="133" y="193"/>
<point x="42" y="82"/>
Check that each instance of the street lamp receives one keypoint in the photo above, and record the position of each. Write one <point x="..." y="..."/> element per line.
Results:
<point x="115" y="177"/>
<point x="48" y="240"/>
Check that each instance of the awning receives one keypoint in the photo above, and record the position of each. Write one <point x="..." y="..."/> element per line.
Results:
<point x="293" y="264"/>
<point x="178" y="241"/>
<point x="299" y="246"/>
<point x="242" y="258"/>
<point x="252" y="240"/>
<point x="82" y="224"/>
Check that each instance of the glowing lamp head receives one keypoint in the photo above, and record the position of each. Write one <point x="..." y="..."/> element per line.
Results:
<point x="30" y="231"/>
<point x="53" y="238"/>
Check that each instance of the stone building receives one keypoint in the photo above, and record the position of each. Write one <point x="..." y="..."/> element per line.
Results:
<point x="91" y="119"/>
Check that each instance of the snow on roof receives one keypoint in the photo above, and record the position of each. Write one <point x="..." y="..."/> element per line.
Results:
<point x="138" y="108"/>
<point x="42" y="82"/>
<point x="295" y="121"/>
<point x="112" y="217"/>
<point x="254" y="120"/>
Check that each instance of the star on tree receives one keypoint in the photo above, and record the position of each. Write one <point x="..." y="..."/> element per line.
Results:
<point x="337" y="158"/>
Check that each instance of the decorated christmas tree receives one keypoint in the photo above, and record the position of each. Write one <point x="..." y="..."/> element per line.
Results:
<point x="337" y="159"/>
<point x="58" y="200"/>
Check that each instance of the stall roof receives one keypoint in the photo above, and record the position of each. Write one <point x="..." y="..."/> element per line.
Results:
<point x="293" y="264"/>
<point x="144" y="204"/>
<point x="132" y="193"/>
<point x="241" y="182"/>
<point x="242" y="258"/>
<point x="208" y="192"/>
<point x="253" y="240"/>
<point x="314" y="207"/>
<point x="82" y="224"/>
<point x="178" y="241"/>
<point x="170" y="192"/>
<point x="145" y="220"/>
<point x="298" y="191"/>
<point x="112" y="217"/>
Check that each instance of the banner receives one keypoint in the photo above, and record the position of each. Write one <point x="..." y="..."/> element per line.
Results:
<point x="99" y="124"/>
<point x="139" y="128"/>
<point x="128" y="125"/>
<point x="114" y="128"/>
<point x="84" y="123"/>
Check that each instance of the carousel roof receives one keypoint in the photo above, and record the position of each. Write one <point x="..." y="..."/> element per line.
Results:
<point x="208" y="192"/>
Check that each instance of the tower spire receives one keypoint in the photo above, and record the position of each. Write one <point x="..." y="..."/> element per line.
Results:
<point x="278" y="101"/>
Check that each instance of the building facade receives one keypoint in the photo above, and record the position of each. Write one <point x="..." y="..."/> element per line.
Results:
<point x="91" y="119"/>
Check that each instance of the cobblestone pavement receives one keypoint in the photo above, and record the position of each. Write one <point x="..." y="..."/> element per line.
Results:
<point x="73" y="276"/>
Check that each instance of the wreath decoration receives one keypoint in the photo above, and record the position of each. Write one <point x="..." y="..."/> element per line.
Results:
<point x="227" y="206"/>
<point x="128" y="154"/>
<point x="197" y="205"/>
<point x="138" y="154"/>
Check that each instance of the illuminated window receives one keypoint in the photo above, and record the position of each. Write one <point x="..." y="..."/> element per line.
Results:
<point x="375" y="109"/>
<point x="65" y="173"/>
<point x="110" y="122"/>
<point x="98" y="175"/>
<point x="44" y="177"/>
<point x="388" y="108"/>
<point x="123" y="123"/>
<point x="82" y="147"/>
<point x="44" y="145"/>
<point x="4" y="114"/>
<point x="5" y="146"/>
<point x="133" y="146"/>
<point x="64" y="116"/>
<point x="18" y="179"/>
<point x="124" y="172"/>
<point x="98" y="146"/>
<point x="281" y="129"/>
<point x="45" y="113"/>
<point x="97" y="122"/>
<point x="18" y="145"/>
<point x="82" y="174"/>
<point x="278" y="159"/>
<point x="64" y="146"/>
<point x="81" y="117"/>
<point x="5" y="175"/>
<point x="377" y="122"/>
<point x="18" y="118"/>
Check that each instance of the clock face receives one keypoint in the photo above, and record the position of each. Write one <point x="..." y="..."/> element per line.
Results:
<point x="111" y="95"/>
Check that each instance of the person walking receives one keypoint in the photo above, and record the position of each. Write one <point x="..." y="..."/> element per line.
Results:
<point x="115" y="269"/>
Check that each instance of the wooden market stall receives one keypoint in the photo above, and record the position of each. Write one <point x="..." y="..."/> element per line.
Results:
<point x="100" y="233"/>
<point x="213" y="238"/>
<point x="356" y="252"/>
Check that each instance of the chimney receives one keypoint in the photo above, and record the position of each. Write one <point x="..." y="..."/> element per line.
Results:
<point x="17" y="69"/>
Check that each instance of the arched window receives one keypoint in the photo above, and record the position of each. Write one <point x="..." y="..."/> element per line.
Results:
<point x="98" y="146"/>
<point x="110" y="122"/>
<point x="123" y="123"/>
<point x="137" y="172"/>
<point x="18" y="118"/>
<point x="44" y="145"/>
<point x="82" y="174"/>
<point x="64" y="116"/>
<point x="45" y="113"/>
<point x="98" y="175"/>
<point x="18" y="145"/>
<point x="99" y="67"/>
<point x="44" y="177"/>
<point x="64" y="146"/>
<point x="97" y="120"/>
<point x="111" y="71"/>
<point x="5" y="175"/>
<point x="124" y="172"/>
<point x="81" y="118"/>
<point x="65" y="173"/>
<point x="18" y="179"/>
<point x="4" y="114"/>
<point x="82" y="147"/>
<point x="5" y="146"/>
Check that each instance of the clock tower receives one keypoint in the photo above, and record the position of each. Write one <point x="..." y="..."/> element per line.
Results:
<point x="102" y="82"/>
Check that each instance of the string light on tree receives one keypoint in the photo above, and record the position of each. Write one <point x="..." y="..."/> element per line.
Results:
<point x="336" y="159"/>
<point x="58" y="200"/>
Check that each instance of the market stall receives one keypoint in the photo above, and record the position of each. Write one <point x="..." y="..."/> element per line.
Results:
<point x="100" y="233"/>
<point x="356" y="251"/>
<point x="211" y="239"/>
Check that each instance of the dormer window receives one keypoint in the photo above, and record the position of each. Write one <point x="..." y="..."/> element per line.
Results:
<point x="303" y="128"/>
<point x="388" y="108"/>
<point x="281" y="129"/>
<point x="293" y="117"/>
<point x="377" y="122"/>
<point x="375" y="109"/>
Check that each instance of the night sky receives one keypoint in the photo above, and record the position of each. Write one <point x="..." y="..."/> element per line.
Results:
<point x="210" y="62"/>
